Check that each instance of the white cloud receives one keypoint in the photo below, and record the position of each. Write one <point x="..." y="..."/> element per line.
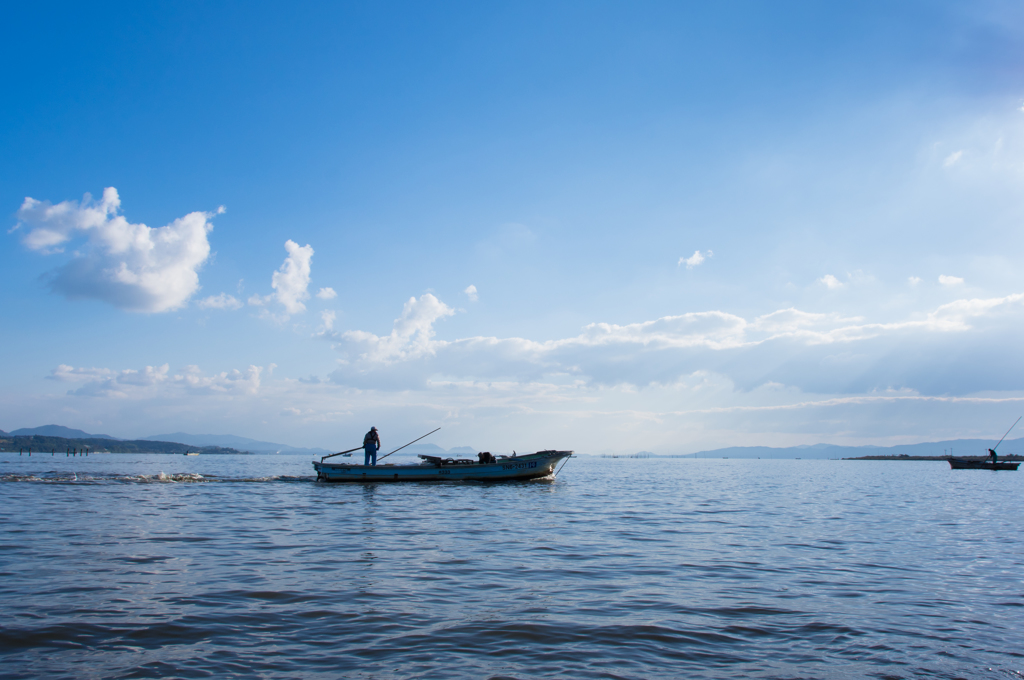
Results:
<point x="66" y="373"/>
<point x="694" y="260"/>
<point x="792" y="319"/>
<point x="952" y="159"/>
<point x="326" y="294"/>
<point x="950" y="280"/>
<point x="131" y="266"/>
<point x="150" y="381"/>
<point x="291" y="281"/>
<point x="411" y="335"/>
<point x="233" y="381"/>
<point x="831" y="282"/>
<point x="107" y="382"/>
<point x="259" y="301"/>
<point x="327" y="316"/>
<point x="787" y="342"/>
<point x="680" y="378"/>
<point x="471" y="293"/>
<point x="914" y="280"/>
<point x="222" y="301"/>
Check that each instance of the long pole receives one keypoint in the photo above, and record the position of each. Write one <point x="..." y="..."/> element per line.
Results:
<point x="1007" y="432"/>
<point x="409" y="444"/>
<point x="340" y="453"/>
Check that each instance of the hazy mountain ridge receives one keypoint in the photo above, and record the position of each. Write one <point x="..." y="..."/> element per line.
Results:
<point x="40" y="444"/>
<point x="234" y="442"/>
<point x="256" y="446"/>
<point x="962" y="447"/>
<point x="217" y="441"/>
<point x="58" y="431"/>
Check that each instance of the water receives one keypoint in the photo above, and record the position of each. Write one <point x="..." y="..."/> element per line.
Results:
<point x="616" y="569"/>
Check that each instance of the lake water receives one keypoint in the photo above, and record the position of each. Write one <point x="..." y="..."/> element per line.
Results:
<point x="243" y="566"/>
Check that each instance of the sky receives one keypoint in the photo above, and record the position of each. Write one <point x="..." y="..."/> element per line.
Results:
<point x="600" y="226"/>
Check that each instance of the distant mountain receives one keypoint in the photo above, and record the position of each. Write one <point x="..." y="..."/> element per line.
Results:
<point x="962" y="447"/>
<point x="429" y="449"/>
<point x="435" y="450"/>
<point x="82" y="446"/>
<point x="58" y="431"/>
<point x="234" y="442"/>
<point x="420" y="448"/>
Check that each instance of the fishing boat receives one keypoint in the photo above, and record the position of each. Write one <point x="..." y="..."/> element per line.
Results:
<point x="966" y="464"/>
<point x="982" y="464"/>
<point x="437" y="468"/>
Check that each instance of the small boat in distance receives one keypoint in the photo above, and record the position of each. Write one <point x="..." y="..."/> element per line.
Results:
<point x="982" y="464"/>
<point x="965" y="464"/>
<point x="436" y="468"/>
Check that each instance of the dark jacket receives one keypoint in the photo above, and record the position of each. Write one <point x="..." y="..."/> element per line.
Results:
<point x="371" y="438"/>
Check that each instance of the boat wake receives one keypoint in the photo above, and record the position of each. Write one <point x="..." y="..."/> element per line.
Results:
<point x="55" y="477"/>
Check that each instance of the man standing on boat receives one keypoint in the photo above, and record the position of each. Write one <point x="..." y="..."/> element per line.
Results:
<point x="371" y="443"/>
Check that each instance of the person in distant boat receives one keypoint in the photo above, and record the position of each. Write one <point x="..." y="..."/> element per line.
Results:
<point x="992" y="455"/>
<point x="371" y="444"/>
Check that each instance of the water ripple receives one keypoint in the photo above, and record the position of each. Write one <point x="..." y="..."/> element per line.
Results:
<point x="138" y="567"/>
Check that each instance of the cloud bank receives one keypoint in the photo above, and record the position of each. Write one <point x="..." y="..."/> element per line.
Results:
<point x="812" y="352"/>
<point x="131" y="266"/>
<point x="682" y="382"/>
<point x="150" y="381"/>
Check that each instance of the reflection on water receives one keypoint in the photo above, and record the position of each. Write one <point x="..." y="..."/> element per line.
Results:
<point x="154" y="566"/>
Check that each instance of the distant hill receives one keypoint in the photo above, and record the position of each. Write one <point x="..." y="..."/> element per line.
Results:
<point x="256" y="446"/>
<point x="43" y="444"/>
<point x="428" y="449"/>
<point x="222" y="441"/>
<point x="57" y="431"/>
<point x="435" y="450"/>
<point x="959" y="447"/>
<point x="234" y="442"/>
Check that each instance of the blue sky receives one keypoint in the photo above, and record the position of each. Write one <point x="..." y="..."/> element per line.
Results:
<point x="600" y="226"/>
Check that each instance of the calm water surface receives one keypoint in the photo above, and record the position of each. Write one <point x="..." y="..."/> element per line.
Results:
<point x="242" y="566"/>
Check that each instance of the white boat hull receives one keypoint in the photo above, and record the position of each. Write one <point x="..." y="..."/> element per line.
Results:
<point x="531" y="466"/>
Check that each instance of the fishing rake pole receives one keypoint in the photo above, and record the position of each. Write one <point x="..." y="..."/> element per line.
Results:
<point x="409" y="444"/>
<point x="1007" y="432"/>
<point x="340" y="453"/>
